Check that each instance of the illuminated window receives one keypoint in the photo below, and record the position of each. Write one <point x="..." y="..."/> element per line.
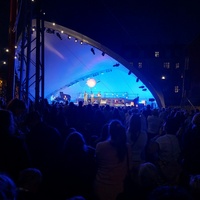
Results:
<point x="157" y="54"/>
<point x="176" y="89"/>
<point x="177" y="65"/>
<point x="140" y="65"/>
<point x="167" y="65"/>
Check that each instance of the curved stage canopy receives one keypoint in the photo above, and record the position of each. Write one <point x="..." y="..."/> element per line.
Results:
<point x="71" y="59"/>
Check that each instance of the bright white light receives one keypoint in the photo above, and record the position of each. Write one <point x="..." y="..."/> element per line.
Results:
<point x="163" y="77"/>
<point x="143" y="102"/>
<point x="91" y="82"/>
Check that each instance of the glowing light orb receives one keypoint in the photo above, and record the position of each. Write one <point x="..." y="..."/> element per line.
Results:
<point x="91" y="82"/>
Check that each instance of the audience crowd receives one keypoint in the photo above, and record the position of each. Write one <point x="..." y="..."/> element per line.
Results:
<point x="91" y="152"/>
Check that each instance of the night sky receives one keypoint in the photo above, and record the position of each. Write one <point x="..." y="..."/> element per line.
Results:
<point x="116" y="22"/>
<point x="4" y="23"/>
<point x="121" y="22"/>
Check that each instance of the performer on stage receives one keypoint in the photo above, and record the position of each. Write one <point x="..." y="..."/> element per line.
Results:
<point x="92" y="98"/>
<point x="85" y="98"/>
<point x="99" y="97"/>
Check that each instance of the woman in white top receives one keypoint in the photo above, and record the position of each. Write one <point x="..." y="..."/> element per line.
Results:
<point x="112" y="165"/>
<point x="168" y="151"/>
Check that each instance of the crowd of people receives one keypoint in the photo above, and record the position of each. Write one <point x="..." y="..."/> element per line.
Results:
<point x="92" y="152"/>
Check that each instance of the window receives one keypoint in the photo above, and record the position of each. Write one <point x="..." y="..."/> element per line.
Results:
<point x="157" y="54"/>
<point x="140" y="65"/>
<point x="177" y="65"/>
<point x="176" y="89"/>
<point x="181" y="75"/>
<point x="167" y="65"/>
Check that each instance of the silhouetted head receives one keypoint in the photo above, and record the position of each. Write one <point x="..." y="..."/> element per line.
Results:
<point x="155" y="112"/>
<point x="30" y="179"/>
<point x="7" y="125"/>
<point x="169" y="193"/>
<point x="148" y="175"/>
<point x="196" y="119"/>
<point x="135" y="123"/>
<point x="171" y="126"/>
<point x="117" y="131"/>
<point x="104" y="132"/>
<point x="118" y="138"/>
<point x="7" y="188"/>
<point x="17" y="107"/>
<point x="75" y="142"/>
<point x="77" y="198"/>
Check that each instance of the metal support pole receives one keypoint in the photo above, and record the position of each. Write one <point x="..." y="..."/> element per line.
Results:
<point x="37" y="83"/>
<point x="11" y="70"/>
<point x="28" y="53"/>
<point x="42" y="61"/>
<point x="22" y="49"/>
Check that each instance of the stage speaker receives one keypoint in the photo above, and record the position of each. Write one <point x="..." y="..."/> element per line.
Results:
<point x="151" y="99"/>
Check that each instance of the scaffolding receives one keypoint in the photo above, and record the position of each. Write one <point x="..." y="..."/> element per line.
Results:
<point x="28" y="44"/>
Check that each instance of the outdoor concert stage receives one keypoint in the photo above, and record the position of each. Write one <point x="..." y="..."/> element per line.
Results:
<point x="75" y="64"/>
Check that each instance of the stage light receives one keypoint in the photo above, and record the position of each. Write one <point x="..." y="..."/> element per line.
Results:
<point x="91" y="82"/>
<point x="129" y="73"/>
<point x="81" y="42"/>
<point x="116" y="65"/>
<point x="137" y="80"/>
<point x="141" y="86"/>
<point x="59" y="36"/>
<point x="144" y="89"/>
<point x="76" y="40"/>
<point x="151" y="99"/>
<point x="103" y="54"/>
<point x="69" y="37"/>
<point x="92" y="50"/>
